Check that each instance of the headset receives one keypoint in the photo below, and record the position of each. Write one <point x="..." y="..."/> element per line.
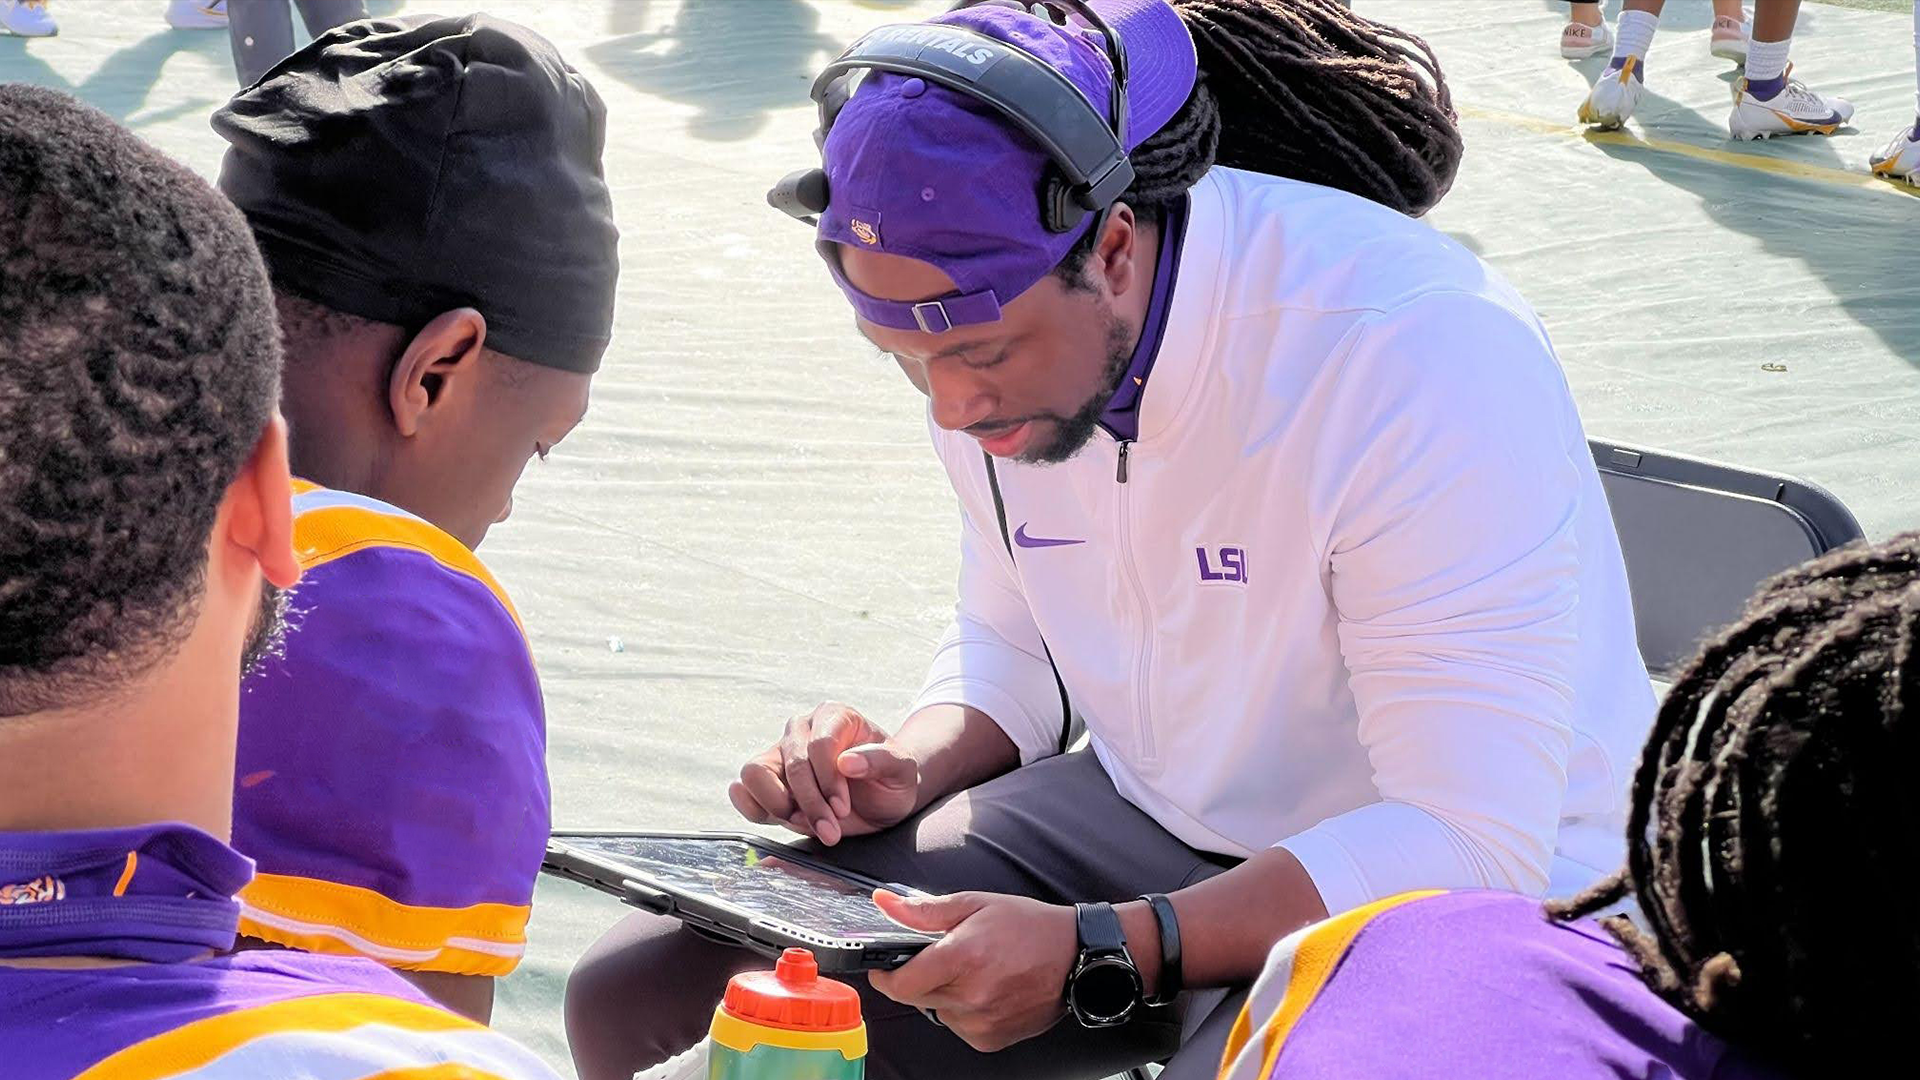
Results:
<point x="1090" y="167"/>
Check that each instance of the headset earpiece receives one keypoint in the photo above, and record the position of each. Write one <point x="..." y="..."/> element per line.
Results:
<point x="1060" y="211"/>
<point x="801" y="194"/>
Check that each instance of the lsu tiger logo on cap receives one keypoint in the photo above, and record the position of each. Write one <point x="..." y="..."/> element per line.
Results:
<point x="864" y="223"/>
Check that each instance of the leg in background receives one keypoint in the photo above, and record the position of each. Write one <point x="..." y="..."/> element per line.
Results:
<point x="1772" y="36"/>
<point x="1773" y="19"/>
<point x="261" y="35"/>
<point x="1619" y="89"/>
<point x="1901" y="158"/>
<point x="323" y="15"/>
<point x="1638" y="21"/>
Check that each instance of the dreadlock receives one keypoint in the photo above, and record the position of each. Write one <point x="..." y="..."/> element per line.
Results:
<point x="1773" y="813"/>
<point x="1304" y="89"/>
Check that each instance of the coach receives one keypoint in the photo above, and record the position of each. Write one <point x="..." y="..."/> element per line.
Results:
<point x="1275" y="488"/>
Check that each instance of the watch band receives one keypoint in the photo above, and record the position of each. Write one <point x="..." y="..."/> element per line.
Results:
<point x="1104" y="972"/>
<point x="1099" y="929"/>
<point x="1171" y="977"/>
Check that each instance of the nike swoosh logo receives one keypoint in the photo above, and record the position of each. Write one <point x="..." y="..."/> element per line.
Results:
<point x="1833" y="119"/>
<point x="1020" y="537"/>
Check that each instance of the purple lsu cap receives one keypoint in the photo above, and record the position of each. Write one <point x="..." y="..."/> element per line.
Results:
<point x="922" y="171"/>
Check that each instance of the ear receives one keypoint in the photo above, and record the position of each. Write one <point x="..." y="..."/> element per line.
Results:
<point x="1116" y="253"/>
<point x="445" y="349"/>
<point x="260" y="507"/>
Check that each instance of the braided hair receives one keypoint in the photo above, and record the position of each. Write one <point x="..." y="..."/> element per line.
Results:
<point x="1304" y="89"/>
<point x="1774" y="812"/>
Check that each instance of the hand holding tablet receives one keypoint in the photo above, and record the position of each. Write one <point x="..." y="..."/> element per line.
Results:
<point x="746" y="891"/>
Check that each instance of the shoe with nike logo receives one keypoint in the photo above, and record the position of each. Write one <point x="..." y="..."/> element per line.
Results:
<point x="1795" y="110"/>
<point x="1901" y="159"/>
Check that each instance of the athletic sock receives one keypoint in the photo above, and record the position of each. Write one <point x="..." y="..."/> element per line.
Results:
<point x="1632" y="35"/>
<point x="1767" y="68"/>
<point x="1916" y="72"/>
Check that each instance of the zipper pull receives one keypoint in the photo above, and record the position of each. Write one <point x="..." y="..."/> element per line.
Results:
<point x="1120" y="474"/>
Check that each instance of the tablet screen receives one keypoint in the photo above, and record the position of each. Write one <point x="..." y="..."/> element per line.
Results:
<point x="750" y="879"/>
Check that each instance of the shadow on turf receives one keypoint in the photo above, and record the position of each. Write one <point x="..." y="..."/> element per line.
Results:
<point x="1677" y="16"/>
<point x="734" y="61"/>
<point x="120" y="85"/>
<point x="1857" y="242"/>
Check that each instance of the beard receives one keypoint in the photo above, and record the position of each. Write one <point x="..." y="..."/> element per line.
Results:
<point x="1072" y="433"/>
<point x="268" y="633"/>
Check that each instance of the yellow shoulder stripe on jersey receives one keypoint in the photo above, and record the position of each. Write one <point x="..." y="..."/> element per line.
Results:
<point x="345" y="920"/>
<point x="1316" y="951"/>
<point x="197" y="1044"/>
<point x="326" y="533"/>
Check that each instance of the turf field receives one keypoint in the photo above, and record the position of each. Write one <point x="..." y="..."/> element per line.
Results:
<point x="750" y="519"/>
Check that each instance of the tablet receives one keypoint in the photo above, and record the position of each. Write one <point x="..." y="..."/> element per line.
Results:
<point x="743" y="890"/>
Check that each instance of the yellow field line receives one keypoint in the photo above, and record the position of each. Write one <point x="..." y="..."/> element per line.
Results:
<point x="1758" y="163"/>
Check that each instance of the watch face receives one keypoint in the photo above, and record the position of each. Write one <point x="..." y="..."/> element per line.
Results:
<point x="1105" y="991"/>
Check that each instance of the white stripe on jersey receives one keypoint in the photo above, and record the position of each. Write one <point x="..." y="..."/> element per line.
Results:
<point x="391" y="954"/>
<point x="326" y="498"/>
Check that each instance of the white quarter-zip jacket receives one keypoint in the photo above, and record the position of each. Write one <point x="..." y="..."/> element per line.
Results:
<point x="1358" y="595"/>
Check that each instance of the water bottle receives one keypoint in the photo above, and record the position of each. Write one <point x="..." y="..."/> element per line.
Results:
<point x="787" y="1024"/>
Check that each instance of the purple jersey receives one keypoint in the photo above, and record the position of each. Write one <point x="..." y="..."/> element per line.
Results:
<point x="109" y="970"/>
<point x="1470" y="984"/>
<point x="391" y="780"/>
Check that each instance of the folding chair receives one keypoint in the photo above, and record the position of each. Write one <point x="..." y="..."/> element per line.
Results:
<point x="1699" y="538"/>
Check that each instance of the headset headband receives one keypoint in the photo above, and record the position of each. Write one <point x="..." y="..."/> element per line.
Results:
<point x="1044" y="103"/>
<point x="1089" y="151"/>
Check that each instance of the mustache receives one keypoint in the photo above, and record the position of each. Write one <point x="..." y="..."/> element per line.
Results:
<point x="987" y="429"/>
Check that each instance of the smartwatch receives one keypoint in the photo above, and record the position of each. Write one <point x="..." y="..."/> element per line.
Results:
<point x="1104" y="989"/>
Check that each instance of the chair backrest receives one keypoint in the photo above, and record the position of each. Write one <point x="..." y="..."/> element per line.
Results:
<point x="1699" y="538"/>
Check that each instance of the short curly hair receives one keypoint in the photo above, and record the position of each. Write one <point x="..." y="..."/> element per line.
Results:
<point x="139" y="365"/>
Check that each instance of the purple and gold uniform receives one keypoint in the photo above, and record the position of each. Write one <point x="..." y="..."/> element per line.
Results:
<point x="392" y="783"/>
<point x="111" y="969"/>
<point x="1468" y="984"/>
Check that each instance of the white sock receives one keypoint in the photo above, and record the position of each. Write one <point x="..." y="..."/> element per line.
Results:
<point x="1916" y="64"/>
<point x="1766" y="60"/>
<point x="1633" y="33"/>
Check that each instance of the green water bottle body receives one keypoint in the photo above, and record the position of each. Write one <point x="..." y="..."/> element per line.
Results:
<point x="765" y="1062"/>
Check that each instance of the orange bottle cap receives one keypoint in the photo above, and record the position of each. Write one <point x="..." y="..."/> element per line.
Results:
<point x="793" y="996"/>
